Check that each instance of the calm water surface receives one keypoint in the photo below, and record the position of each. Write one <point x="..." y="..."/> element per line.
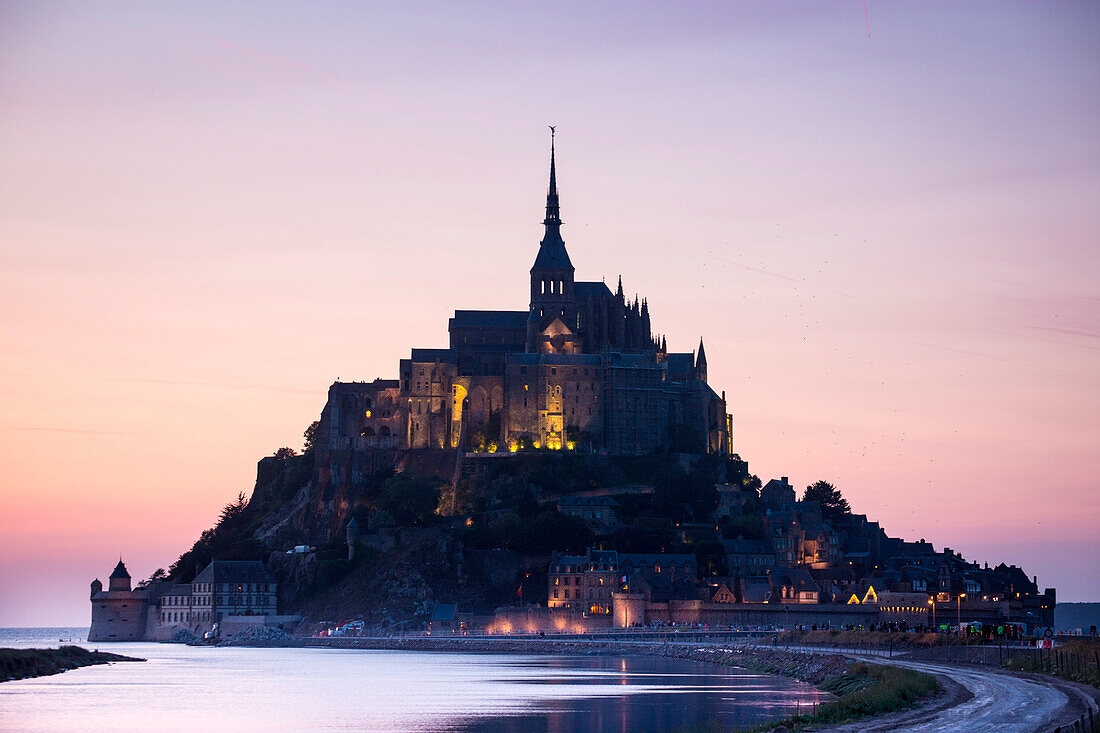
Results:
<point x="185" y="688"/>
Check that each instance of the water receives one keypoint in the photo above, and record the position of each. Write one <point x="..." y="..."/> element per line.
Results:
<point x="185" y="688"/>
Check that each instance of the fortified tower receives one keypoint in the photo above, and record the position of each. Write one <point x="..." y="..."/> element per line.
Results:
<point x="119" y="613"/>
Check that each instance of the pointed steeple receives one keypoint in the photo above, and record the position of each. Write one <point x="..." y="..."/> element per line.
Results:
<point x="619" y="292"/>
<point x="664" y="345"/>
<point x="553" y="215"/>
<point x="701" y="363"/>
<point x="552" y="254"/>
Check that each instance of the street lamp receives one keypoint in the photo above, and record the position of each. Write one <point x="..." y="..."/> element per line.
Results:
<point x="932" y="602"/>
<point x="960" y="598"/>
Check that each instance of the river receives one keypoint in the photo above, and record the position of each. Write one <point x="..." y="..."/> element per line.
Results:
<point x="238" y="689"/>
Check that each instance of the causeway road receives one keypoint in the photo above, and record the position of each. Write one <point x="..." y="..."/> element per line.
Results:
<point x="989" y="701"/>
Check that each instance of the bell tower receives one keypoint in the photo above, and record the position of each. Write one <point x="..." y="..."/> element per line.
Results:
<point x="552" y="274"/>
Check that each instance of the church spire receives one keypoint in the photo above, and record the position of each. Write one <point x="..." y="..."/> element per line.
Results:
<point x="553" y="216"/>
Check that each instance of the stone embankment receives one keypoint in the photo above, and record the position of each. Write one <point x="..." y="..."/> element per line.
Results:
<point x="812" y="668"/>
<point x="258" y="635"/>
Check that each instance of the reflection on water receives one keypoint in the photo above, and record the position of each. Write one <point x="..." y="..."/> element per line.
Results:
<point x="203" y="689"/>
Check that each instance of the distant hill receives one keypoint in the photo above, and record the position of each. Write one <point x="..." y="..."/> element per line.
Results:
<point x="1077" y="615"/>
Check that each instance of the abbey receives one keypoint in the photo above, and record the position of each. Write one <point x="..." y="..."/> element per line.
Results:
<point x="580" y="368"/>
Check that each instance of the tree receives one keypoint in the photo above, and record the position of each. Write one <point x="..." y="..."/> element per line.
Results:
<point x="833" y="505"/>
<point x="311" y="436"/>
<point x="689" y="496"/>
<point x="410" y="501"/>
<point x="509" y="528"/>
<point x="284" y="453"/>
<point x="233" y="510"/>
<point x="158" y="574"/>
<point x="710" y="557"/>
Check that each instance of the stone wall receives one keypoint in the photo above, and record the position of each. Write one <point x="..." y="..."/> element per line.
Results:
<point x="119" y="616"/>
<point x="633" y="609"/>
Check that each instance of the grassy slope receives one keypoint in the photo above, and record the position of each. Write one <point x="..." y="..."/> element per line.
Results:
<point x="1077" y="660"/>
<point x="863" y="691"/>
<point x="17" y="664"/>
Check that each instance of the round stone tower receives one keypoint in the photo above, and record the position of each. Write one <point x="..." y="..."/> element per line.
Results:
<point x="353" y="537"/>
<point x="97" y="587"/>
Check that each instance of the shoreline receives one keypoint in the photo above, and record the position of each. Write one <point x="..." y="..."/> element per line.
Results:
<point x="810" y="668"/>
<point x="25" y="664"/>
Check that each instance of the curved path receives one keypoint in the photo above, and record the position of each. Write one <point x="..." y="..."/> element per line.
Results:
<point x="998" y="702"/>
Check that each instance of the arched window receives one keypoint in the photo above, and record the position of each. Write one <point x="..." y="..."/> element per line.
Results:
<point x="561" y="286"/>
<point x="385" y="431"/>
<point x="543" y="283"/>
<point x="368" y="433"/>
<point x="551" y="287"/>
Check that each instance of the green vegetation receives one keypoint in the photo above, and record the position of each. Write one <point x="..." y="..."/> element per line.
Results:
<point x="1077" y="660"/>
<point x="863" y="691"/>
<point x="842" y="638"/>
<point x="18" y="664"/>
<point x="545" y="532"/>
<point x="833" y="505"/>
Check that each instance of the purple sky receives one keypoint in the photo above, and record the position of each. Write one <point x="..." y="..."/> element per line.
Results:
<point x="210" y="211"/>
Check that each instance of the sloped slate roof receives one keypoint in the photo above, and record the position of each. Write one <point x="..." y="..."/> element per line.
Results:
<point x="120" y="571"/>
<point x="587" y="501"/>
<point x="489" y="319"/>
<point x="235" y="571"/>
<point x="552" y="254"/>
<point x="746" y="546"/>
<point x="591" y="290"/>
<point x="427" y="355"/>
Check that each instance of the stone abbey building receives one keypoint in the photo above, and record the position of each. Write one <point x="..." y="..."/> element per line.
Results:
<point x="579" y="368"/>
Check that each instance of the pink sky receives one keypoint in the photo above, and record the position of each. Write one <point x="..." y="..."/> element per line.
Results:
<point x="209" y="212"/>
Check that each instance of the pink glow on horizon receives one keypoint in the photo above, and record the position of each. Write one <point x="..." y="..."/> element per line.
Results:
<point x="208" y="214"/>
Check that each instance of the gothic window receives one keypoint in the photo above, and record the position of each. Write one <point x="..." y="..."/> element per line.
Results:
<point x="543" y="287"/>
<point x="561" y="288"/>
